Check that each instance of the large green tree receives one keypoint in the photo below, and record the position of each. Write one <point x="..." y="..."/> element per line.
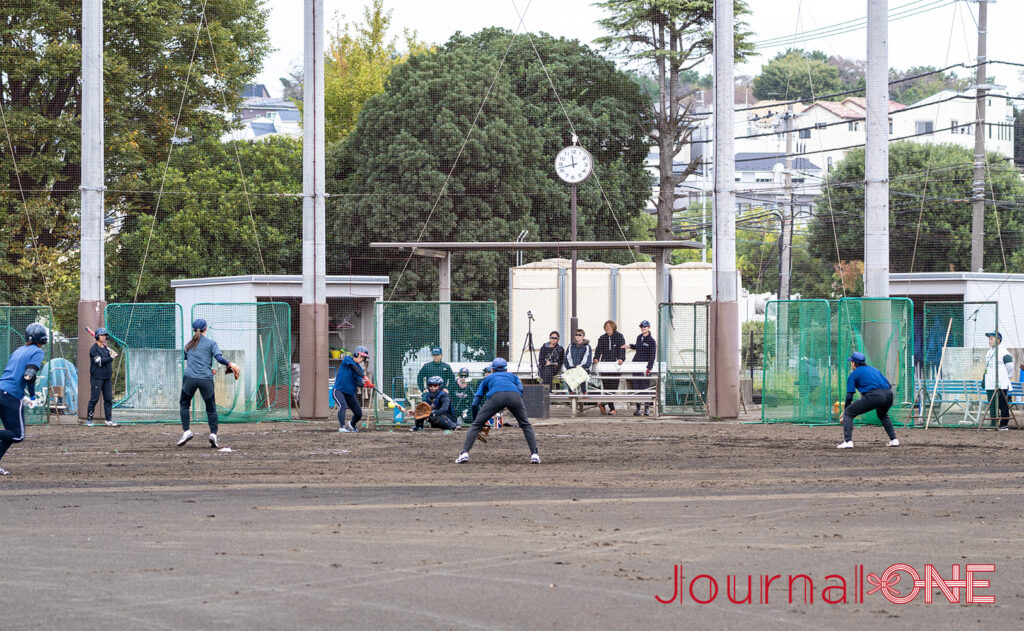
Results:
<point x="797" y="74"/>
<point x="929" y="215"/>
<point x="392" y="172"/>
<point x="155" y="53"/>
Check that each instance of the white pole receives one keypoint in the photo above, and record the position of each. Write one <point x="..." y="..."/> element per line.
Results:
<point x="724" y="391"/>
<point x="978" y="189"/>
<point x="314" y="257"/>
<point x="876" y="159"/>
<point x="91" y="267"/>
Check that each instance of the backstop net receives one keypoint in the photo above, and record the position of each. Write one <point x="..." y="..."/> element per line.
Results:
<point x="406" y="331"/>
<point x="954" y="347"/>
<point x="258" y="337"/>
<point x="13" y="322"/>
<point x="796" y="385"/>
<point x="149" y="338"/>
<point x="683" y="355"/>
<point x="882" y="329"/>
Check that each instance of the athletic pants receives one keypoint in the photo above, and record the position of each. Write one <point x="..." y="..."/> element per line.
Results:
<point x="641" y="384"/>
<point x="878" y="400"/>
<point x="497" y="402"/>
<point x="101" y="386"/>
<point x="13" y="420"/>
<point x="610" y="384"/>
<point x="1004" y="407"/>
<point x="188" y="390"/>
<point x="345" y="400"/>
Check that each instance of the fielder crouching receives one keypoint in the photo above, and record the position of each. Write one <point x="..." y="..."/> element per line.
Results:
<point x="502" y="390"/>
<point x="875" y="394"/>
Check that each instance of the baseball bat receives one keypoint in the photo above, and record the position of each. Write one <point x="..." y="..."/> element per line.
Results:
<point x="390" y="400"/>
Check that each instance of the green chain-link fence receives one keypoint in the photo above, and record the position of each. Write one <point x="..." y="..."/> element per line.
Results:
<point x="954" y="347"/>
<point x="406" y="331"/>
<point x="683" y="352"/>
<point x="147" y="373"/>
<point x="796" y="383"/>
<point x="13" y="322"/>
<point x="257" y="337"/>
<point x="882" y="329"/>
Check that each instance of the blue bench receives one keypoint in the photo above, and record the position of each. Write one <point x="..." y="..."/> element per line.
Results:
<point x="964" y="398"/>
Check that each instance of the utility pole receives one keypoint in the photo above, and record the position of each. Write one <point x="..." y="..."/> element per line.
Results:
<point x="978" y="189"/>
<point x="786" y="247"/>
<point x="876" y="158"/>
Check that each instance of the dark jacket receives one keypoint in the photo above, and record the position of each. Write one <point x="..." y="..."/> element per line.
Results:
<point x="609" y="347"/>
<point x="555" y="354"/>
<point x="646" y="350"/>
<point x="435" y="369"/>
<point x="103" y="369"/>
<point x="350" y="376"/>
<point x="579" y="355"/>
<point x="440" y="403"/>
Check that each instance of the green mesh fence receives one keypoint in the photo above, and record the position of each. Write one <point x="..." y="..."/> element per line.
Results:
<point x="683" y="353"/>
<point x="882" y="329"/>
<point x="466" y="332"/>
<point x="257" y="337"/>
<point x="13" y="322"/>
<point x="954" y="347"/>
<point x="149" y="338"/>
<point x="796" y="385"/>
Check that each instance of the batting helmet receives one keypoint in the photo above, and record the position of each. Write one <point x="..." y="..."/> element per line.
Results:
<point x="199" y="324"/>
<point x="100" y="331"/>
<point x="36" y="333"/>
<point x="435" y="381"/>
<point x="362" y="350"/>
<point x="858" y="357"/>
<point x="499" y="364"/>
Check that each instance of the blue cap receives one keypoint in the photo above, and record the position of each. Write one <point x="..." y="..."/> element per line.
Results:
<point x="488" y="369"/>
<point x="858" y="357"/>
<point x="199" y="324"/>
<point x="499" y="364"/>
<point x="644" y="323"/>
<point x="436" y="350"/>
<point x="101" y="331"/>
<point x="995" y="334"/>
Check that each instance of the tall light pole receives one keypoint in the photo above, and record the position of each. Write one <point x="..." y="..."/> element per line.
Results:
<point x="876" y="154"/>
<point x="978" y="188"/>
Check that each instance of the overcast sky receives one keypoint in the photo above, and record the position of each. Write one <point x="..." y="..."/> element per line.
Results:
<point x="944" y="35"/>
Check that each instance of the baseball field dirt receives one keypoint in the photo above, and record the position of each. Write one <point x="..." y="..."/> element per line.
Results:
<point x="300" y="527"/>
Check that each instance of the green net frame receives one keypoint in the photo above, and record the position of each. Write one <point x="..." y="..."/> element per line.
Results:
<point x="683" y="352"/>
<point x="882" y="329"/>
<point x="258" y="337"/>
<point x="13" y="322"/>
<point x="407" y="330"/>
<point x="797" y="368"/>
<point x="954" y="346"/>
<point x="148" y="371"/>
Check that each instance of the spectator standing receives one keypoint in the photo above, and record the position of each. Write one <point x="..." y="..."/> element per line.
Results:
<point x="646" y="350"/>
<point x="101" y="358"/>
<point x="610" y="348"/>
<point x="435" y="368"/>
<point x="998" y="368"/>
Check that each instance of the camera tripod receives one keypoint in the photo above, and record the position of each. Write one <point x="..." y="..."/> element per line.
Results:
<point x="528" y="344"/>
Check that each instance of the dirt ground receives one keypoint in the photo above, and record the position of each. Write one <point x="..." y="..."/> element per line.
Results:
<point x="302" y="527"/>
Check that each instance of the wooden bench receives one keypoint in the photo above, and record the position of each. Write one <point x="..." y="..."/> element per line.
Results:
<point x="596" y="394"/>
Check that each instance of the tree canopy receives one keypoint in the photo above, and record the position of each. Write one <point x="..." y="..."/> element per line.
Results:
<point x="797" y="74"/>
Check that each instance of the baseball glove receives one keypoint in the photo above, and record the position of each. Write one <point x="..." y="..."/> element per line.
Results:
<point x="235" y="370"/>
<point x="422" y="411"/>
<point x="482" y="436"/>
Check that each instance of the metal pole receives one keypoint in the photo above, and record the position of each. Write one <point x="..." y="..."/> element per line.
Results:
<point x="313" y="310"/>
<point x="876" y="160"/>
<point x="786" y="248"/>
<point x="978" y="189"/>
<point x="91" y="266"/>
<point x="725" y="327"/>
<point x="573" y="321"/>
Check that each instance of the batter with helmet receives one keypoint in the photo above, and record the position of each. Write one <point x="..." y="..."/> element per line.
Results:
<point x="502" y="390"/>
<point x="875" y="394"/>
<point x="20" y="375"/>
<point x="351" y="376"/>
<point x="436" y="407"/>
<point x="200" y="353"/>
<point x="101" y="358"/>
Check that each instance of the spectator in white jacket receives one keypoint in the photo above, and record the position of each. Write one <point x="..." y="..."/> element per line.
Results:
<point x="998" y="368"/>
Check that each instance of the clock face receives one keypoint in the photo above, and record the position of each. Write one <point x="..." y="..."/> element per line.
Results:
<point x="574" y="164"/>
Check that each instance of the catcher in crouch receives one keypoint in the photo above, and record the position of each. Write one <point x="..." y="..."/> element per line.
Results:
<point x="502" y="390"/>
<point x="199" y="355"/>
<point x="436" y="407"/>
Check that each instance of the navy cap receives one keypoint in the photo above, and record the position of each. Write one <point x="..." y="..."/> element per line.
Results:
<point x="995" y="334"/>
<point x="463" y="372"/>
<point x="199" y="324"/>
<point x="436" y="350"/>
<point x="644" y="323"/>
<point x="857" y="357"/>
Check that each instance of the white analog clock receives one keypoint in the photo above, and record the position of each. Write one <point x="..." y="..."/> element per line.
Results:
<point x="574" y="164"/>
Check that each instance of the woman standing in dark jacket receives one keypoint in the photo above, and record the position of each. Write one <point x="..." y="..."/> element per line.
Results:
<point x="551" y="357"/>
<point x="100" y="358"/>
<point x="610" y="348"/>
<point x="646" y="351"/>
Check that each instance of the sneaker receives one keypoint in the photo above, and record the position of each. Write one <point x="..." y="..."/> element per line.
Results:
<point x="846" y="444"/>
<point x="534" y="458"/>
<point x="647" y="411"/>
<point x="463" y="457"/>
<point x="4" y="471"/>
<point x="187" y="436"/>
<point x="348" y="429"/>
<point x="611" y="412"/>
<point x="895" y="442"/>
<point x="213" y="441"/>
<point x="88" y="422"/>
<point x="110" y="424"/>
<point x="637" y="412"/>
<point x="1003" y="428"/>
<point x="415" y="429"/>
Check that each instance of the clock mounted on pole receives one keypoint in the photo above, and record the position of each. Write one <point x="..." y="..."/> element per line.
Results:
<point x="574" y="164"/>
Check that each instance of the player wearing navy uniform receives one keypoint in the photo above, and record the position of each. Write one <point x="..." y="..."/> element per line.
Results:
<point x="440" y="406"/>
<point x="501" y="390"/>
<point x="875" y="394"/>
<point x="351" y="376"/>
<point x="101" y="357"/>
<point x="20" y="375"/>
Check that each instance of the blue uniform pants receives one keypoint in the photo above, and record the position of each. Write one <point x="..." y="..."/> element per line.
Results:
<point x="13" y="421"/>
<point x="188" y="390"/>
<point x="345" y="400"/>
